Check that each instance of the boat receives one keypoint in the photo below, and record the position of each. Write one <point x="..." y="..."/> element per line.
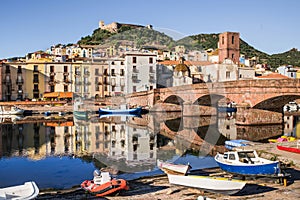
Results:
<point x="81" y="115"/>
<point x="208" y="183"/>
<point x="231" y="144"/>
<point x="11" y="110"/>
<point x="229" y="107"/>
<point x="170" y="168"/>
<point x="134" y="111"/>
<point x="119" y="115"/>
<point x="247" y="162"/>
<point x="28" y="190"/>
<point x="282" y="139"/>
<point x="289" y="149"/>
<point x="103" y="185"/>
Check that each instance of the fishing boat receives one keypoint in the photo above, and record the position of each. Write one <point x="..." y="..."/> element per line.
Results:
<point x="208" y="183"/>
<point x="170" y="168"/>
<point x="289" y="149"/>
<point x="28" y="190"/>
<point x="103" y="185"/>
<point x="134" y="111"/>
<point x="247" y="162"/>
<point x="229" y="107"/>
<point x="11" y="110"/>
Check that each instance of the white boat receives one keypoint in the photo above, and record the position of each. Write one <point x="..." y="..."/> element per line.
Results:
<point x="11" y="110"/>
<point x="170" y="168"/>
<point x="20" y="192"/>
<point x="207" y="183"/>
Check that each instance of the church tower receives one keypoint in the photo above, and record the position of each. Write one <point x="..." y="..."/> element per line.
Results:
<point x="229" y="47"/>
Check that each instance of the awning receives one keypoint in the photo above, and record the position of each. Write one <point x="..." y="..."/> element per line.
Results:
<point x="54" y="124"/>
<point x="51" y="95"/>
<point x="58" y="95"/>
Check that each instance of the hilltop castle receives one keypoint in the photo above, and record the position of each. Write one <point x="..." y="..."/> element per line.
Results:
<point x="115" y="26"/>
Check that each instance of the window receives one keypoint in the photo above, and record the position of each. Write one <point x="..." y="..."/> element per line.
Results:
<point x="134" y="88"/>
<point x="133" y="59"/>
<point x="150" y="60"/>
<point x="113" y="72"/>
<point x="227" y="75"/>
<point x="222" y="39"/>
<point x="232" y="39"/>
<point x="52" y="88"/>
<point x="65" y="68"/>
<point x="121" y="72"/>
<point x="134" y="69"/>
<point x="97" y="72"/>
<point x="232" y="55"/>
<point x="65" y="88"/>
<point x="35" y="68"/>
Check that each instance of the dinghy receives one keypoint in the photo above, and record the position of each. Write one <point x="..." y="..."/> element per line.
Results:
<point x="103" y="185"/>
<point x="170" y="168"/>
<point x="21" y="192"/>
<point x="133" y="111"/>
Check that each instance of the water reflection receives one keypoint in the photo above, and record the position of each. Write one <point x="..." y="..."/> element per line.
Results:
<point x="124" y="144"/>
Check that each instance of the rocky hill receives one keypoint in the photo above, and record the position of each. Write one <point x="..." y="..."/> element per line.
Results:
<point x="141" y="36"/>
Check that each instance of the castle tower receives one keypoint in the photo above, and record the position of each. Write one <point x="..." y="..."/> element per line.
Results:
<point x="101" y="24"/>
<point x="229" y="46"/>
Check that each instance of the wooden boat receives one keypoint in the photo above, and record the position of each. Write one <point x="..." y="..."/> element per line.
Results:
<point x="231" y="144"/>
<point x="170" y="168"/>
<point x="27" y="191"/>
<point x="247" y="162"/>
<point x="119" y="115"/>
<point x="103" y="185"/>
<point x="11" y="110"/>
<point x="207" y="183"/>
<point x="289" y="149"/>
<point x="133" y="111"/>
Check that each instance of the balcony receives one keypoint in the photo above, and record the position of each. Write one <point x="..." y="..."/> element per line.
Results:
<point x="20" y="92"/>
<point x="66" y="73"/>
<point x="7" y="82"/>
<point x="36" y="90"/>
<point x="35" y="80"/>
<point x="67" y="81"/>
<point x="52" y="73"/>
<point x="78" y="83"/>
<point x="151" y="71"/>
<point x="99" y="83"/>
<point x="19" y="81"/>
<point x="51" y="82"/>
<point x="35" y="71"/>
<point x="77" y="73"/>
<point x="151" y="80"/>
<point x="86" y="73"/>
<point x="19" y="71"/>
<point x="135" y="71"/>
<point x="87" y="83"/>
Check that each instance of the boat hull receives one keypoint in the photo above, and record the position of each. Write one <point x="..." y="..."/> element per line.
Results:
<point x="133" y="111"/>
<point x="27" y="191"/>
<point x="173" y="168"/>
<point x="250" y="169"/>
<point x="289" y="149"/>
<point x="210" y="184"/>
<point x="105" y="189"/>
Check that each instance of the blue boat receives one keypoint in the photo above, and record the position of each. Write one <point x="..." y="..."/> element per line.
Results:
<point x="132" y="111"/>
<point x="231" y="144"/>
<point x="247" y="162"/>
<point x="227" y="109"/>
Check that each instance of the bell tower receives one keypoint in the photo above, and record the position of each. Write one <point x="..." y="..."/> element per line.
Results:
<point x="229" y="47"/>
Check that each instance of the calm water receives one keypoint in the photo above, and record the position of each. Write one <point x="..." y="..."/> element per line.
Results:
<point x="60" y="152"/>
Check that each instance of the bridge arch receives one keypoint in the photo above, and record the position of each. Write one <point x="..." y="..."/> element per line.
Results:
<point x="275" y="103"/>
<point x="174" y="99"/>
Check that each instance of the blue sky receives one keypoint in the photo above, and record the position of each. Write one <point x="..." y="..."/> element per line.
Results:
<point x="271" y="26"/>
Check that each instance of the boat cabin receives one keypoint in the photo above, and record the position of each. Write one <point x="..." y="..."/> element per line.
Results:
<point x="249" y="156"/>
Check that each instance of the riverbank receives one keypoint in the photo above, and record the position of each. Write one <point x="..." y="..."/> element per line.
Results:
<point x="150" y="188"/>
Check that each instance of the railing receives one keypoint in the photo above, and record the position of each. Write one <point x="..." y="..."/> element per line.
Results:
<point x="52" y="73"/>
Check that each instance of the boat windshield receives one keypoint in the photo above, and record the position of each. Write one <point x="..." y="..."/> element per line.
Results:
<point x="248" y="154"/>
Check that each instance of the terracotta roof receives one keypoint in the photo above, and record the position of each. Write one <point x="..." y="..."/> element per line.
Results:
<point x="188" y="63"/>
<point x="273" y="76"/>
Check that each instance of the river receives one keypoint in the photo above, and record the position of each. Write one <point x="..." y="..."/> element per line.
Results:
<point x="60" y="152"/>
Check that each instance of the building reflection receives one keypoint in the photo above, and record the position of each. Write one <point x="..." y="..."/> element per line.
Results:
<point x="131" y="143"/>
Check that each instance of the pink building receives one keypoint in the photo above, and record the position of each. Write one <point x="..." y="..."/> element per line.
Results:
<point x="229" y="46"/>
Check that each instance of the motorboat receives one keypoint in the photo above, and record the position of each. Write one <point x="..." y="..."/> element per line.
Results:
<point x="231" y="144"/>
<point x="103" y="185"/>
<point x="247" y="162"/>
<point x="133" y="111"/>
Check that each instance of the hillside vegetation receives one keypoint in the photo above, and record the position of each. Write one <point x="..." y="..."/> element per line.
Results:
<point x="139" y="37"/>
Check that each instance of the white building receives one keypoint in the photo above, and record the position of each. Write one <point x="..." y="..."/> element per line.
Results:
<point x="141" y="71"/>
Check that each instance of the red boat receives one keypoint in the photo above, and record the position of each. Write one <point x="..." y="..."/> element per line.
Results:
<point x="100" y="190"/>
<point x="290" y="149"/>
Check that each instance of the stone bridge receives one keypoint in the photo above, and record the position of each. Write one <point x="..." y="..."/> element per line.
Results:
<point x="264" y="98"/>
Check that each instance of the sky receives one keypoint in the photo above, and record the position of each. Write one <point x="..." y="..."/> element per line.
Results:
<point x="271" y="26"/>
